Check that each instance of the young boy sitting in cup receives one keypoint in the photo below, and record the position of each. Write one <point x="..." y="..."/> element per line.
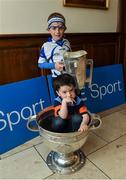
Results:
<point x="71" y="114"/>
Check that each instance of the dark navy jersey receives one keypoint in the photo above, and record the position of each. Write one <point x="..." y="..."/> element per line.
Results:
<point x="77" y="107"/>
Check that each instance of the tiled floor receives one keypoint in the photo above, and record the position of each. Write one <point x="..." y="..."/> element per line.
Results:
<point x="105" y="150"/>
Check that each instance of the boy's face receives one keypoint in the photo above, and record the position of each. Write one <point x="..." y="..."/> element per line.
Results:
<point x="56" y="30"/>
<point x="67" y="92"/>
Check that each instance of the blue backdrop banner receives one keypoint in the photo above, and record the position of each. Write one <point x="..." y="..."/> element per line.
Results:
<point x="22" y="99"/>
<point x="106" y="91"/>
<point x="18" y="101"/>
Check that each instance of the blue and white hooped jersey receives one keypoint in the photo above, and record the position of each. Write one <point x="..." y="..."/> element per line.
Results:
<point x="52" y="52"/>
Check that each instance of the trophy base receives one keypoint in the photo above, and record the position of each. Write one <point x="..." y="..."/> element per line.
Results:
<point x="66" y="163"/>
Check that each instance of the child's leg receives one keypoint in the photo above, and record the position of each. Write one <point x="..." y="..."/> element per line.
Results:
<point x="59" y="125"/>
<point x="76" y="120"/>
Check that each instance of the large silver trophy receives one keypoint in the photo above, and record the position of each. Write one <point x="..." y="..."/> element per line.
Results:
<point x="77" y="64"/>
<point x="65" y="156"/>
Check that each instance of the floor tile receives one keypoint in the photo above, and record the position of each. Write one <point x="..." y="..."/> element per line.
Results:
<point x="43" y="149"/>
<point x="112" y="110"/>
<point x="111" y="159"/>
<point x="93" y="143"/>
<point x="113" y="126"/>
<point x="88" y="171"/>
<point x="123" y="106"/>
<point x="22" y="147"/>
<point x="123" y="111"/>
<point x="27" y="164"/>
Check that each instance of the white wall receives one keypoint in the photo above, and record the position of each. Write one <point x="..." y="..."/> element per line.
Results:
<point x="29" y="16"/>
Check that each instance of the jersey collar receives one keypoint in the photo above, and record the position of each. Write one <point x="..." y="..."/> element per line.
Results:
<point x="59" y="42"/>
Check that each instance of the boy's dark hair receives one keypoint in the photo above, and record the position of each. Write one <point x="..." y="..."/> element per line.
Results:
<point x="63" y="80"/>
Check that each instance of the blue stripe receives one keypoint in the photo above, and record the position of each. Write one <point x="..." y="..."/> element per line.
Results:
<point x="52" y="53"/>
<point x="42" y="53"/>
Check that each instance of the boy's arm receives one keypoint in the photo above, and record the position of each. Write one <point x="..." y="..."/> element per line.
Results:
<point x="84" y="123"/>
<point x="63" y="113"/>
<point x="86" y="117"/>
<point x="43" y="62"/>
<point x="46" y="65"/>
<point x="61" y="109"/>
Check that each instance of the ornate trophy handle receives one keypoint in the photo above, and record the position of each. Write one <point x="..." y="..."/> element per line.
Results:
<point x="30" y="126"/>
<point x="95" y="121"/>
<point x="89" y="62"/>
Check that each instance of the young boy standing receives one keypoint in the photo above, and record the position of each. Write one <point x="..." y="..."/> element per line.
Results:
<point x="51" y="54"/>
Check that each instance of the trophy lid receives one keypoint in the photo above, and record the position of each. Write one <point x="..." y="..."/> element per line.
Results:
<point x="75" y="54"/>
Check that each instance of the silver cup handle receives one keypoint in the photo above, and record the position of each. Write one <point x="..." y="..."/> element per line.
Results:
<point x="30" y="126"/>
<point x="89" y="62"/>
<point x="96" y="121"/>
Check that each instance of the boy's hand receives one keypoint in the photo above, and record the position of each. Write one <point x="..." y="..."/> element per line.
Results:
<point x="83" y="128"/>
<point x="59" y="66"/>
<point x="68" y="100"/>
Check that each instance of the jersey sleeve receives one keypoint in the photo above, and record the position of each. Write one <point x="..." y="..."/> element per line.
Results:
<point x="57" y="107"/>
<point x="43" y="62"/>
<point x="82" y="107"/>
